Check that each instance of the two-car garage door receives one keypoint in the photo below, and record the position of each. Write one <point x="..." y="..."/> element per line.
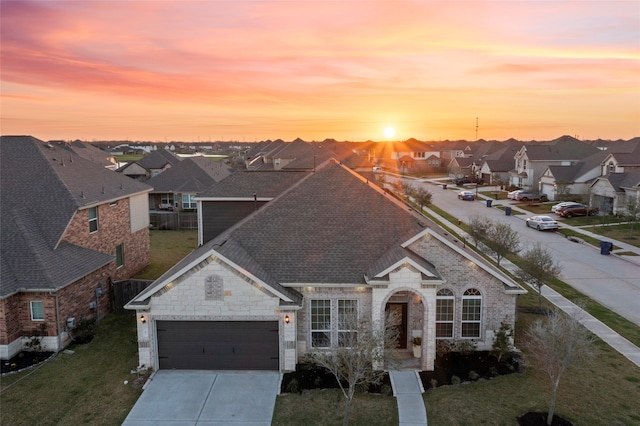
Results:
<point x="218" y="345"/>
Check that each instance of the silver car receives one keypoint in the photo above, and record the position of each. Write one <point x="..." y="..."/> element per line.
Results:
<point x="542" y="223"/>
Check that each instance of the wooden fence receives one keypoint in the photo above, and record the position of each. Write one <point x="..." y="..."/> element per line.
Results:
<point x="124" y="291"/>
<point x="173" y="220"/>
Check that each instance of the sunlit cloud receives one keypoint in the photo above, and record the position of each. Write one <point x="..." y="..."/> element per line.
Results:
<point x="268" y="69"/>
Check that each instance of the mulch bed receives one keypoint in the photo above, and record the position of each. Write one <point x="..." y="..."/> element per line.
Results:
<point x="540" y="419"/>
<point x="460" y="367"/>
<point x="23" y="360"/>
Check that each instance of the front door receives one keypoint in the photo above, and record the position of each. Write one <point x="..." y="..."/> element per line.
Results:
<point x="400" y="311"/>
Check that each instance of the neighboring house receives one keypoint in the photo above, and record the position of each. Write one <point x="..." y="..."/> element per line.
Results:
<point x="177" y="187"/>
<point x="495" y="167"/>
<point x="150" y="165"/>
<point x="239" y="195"/>
<point x="612" y="193"/>
<point x="534" y="158"/>
<point x="69" y="228"/>
<point x="89" y="152"/>
<point x="279" y="283"/>
<point x="413" y="150"/>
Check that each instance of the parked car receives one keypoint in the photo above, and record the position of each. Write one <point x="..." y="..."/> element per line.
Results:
<point x="531" y="196"/>
<point x="542" y="223"/>
<point x="468" y="179"/>
<point x="512" y="195"/>
<point x="563" y="204"/>
<point x="466" y="195"/>
<point x="576" y="210"/>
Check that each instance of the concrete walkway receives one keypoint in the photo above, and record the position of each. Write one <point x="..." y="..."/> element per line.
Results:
<point x="407" y="388"/>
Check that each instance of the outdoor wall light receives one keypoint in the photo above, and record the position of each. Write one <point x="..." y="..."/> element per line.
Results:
<point x="287" y="319"/>
<point x="143" y="319"/>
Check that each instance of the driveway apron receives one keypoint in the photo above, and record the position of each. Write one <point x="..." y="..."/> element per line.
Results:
<point x="189" y="398"/>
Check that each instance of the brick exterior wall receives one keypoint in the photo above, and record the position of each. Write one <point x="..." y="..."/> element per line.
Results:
<point x="114" y="228"/>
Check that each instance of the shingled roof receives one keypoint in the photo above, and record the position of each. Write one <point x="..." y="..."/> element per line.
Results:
<point x="264" y="184"/>
<point x="42" y="187"/>
<point x="193" y="174"/>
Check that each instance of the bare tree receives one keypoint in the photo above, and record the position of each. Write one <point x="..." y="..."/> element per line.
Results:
<point x="537" y="265"/>
<point x="554" y="345"/>
<point x="359" y="349"/>
<point x="478" y="227"/>
<point x="632" y="210"/>
<point x="502" y="240"/>
<point x="563" y="189"/>
<point x="422" y="196"/>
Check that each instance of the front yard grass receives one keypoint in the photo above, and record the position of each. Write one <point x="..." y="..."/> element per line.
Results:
<point x="83" y="388"/>
<point x="167" y="249"/>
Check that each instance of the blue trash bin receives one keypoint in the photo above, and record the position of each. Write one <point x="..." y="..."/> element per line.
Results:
<point x="507" y="211"/>
<point x="605" y="247"/>
<point x="489" y="203"/>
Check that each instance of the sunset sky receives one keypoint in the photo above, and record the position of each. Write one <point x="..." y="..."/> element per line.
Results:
<point x="316" y="69"/>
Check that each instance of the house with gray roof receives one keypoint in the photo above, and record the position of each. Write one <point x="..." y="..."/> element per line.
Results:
<point x="533" y="158"/>
<point x="279" y="283"/>
<point x="177" y="187"/>
<point x="69" y="228"/>
<point x="150" y="165"/>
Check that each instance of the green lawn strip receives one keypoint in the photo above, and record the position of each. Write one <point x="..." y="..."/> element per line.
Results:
<point x="86" y="387"/>
<point x="128" y="157"/>
<point x="326" y="407"/>
<point x="167" y="249"/>
<point x="622" y="232"/>
<point x="586" y="238"/>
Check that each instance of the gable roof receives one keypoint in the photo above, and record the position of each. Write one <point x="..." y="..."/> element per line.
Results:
<point x="158" y="159"/>
<point x="331" y="228"/>
<point x="563" y="148"/>
<point x="244" y="184"/>
<point x="42" y="188"/>
<point x="191" y="175"/>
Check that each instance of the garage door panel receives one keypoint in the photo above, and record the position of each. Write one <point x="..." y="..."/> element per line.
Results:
<point x="218" y="345"/>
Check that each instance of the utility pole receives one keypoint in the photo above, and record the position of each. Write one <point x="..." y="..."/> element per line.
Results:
<point x="476" y="128"/>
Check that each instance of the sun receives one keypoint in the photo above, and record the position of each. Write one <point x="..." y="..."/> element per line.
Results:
<point x="389" y="132"/>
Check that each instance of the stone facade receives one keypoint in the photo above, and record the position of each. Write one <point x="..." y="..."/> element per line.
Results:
<point x="188" y="298"/>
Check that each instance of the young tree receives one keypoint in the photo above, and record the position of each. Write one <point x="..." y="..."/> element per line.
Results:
<point x="358" y="350"/>
<point x="537" y="265"/>
<point x="503" y="341"/>
<point x="422" y="196"/>
<point x="502" y="240"/>
<point x="554" y="345"/>
<point x="632" y="211"/>
<point x="478" y="227"/>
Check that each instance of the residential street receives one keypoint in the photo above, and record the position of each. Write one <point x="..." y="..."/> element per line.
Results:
<point x="611" y="280"/>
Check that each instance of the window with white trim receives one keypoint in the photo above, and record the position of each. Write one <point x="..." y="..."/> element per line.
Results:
<point x="188" y="201"/>
<point x="444" y="314"/>
<point x="166" y="198"/>
<point x="119" y="255"/>
<point x="347" y="323"/>
<point x="37" y="310"/>
<point x="93" y="219"/>
<point x="471" y="313"/>
<point x="321" y="323"/>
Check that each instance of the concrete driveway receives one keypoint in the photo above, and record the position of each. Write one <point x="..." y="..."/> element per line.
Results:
<point x="181" y="398"/>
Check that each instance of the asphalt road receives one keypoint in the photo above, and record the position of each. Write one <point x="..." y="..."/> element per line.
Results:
<point x="610" y="280"/>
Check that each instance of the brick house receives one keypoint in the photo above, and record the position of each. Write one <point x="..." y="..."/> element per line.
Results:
<point x="277" y="284"/>
<point x="69" y="228"/>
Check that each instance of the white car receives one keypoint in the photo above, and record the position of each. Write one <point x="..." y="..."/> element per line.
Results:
<point x="542" y="223"/>
<point x="512" y="195"/>
<point x="559" y="205"/>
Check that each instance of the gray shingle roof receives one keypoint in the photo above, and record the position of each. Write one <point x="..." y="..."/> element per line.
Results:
<point x="41" y="188"/>
<point x="327" y="229"/>
<point x="563" y="148"/>
<point x="191" y="175"/>
<point x="158" y="159"/>
<point x="244" y="184"/>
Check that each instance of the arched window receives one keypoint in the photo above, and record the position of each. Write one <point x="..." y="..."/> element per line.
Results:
<point x="444" y="314"/>
<point x="471" y="313"/>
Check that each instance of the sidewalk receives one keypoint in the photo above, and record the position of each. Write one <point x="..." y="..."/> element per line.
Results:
<point x="407" y="388"/>
<point x="613" y="339"/>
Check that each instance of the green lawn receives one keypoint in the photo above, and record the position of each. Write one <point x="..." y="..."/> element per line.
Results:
<point x="167" y="248"/>
<point x="87" y="387"/>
